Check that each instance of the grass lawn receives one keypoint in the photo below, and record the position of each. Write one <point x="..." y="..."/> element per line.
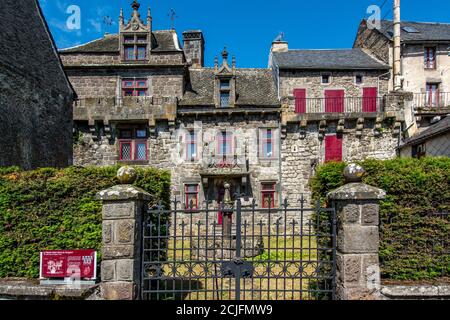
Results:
<point x="284" y="270"/>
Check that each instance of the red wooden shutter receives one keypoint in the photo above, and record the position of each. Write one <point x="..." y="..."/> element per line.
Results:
<point x="333" y="148"/>
<point x="300" y="100"/>
<point x="370" y="99"/>
<point x="334" y="100"/>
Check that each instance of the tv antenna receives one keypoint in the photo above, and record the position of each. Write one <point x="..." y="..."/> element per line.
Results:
<point x="173" y="15"/>
<point x="108" y="21"/>
<point x="280" y="37"/>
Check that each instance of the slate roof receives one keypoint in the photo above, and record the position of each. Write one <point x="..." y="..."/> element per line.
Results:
<point x="427" y="31"/>
<point x="343" y="59"/>
<point x="254" y="87"/>
<point x="441" y="127"/>
<point x="163" y="40"/>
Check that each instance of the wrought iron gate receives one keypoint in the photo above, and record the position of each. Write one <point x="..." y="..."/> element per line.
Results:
<point x="252" y="254"/>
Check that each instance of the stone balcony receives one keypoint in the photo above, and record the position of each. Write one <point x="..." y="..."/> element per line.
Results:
<point x="224" y="165"/>
<point x="108" y="109"/>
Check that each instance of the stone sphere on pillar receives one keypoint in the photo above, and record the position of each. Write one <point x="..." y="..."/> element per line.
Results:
<point x="127" y="175"/>
<point x="353" y="173"/>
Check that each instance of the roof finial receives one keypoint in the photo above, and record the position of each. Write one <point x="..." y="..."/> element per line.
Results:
<point x="225" y="53"/>
<point x="233" y="62"/>
<point x="121" y="17"/>
<point x="216" y="63"/>
<point x="135" y="5"/>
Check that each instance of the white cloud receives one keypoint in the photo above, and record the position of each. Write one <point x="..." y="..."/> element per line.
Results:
<point x="96" y="24"/>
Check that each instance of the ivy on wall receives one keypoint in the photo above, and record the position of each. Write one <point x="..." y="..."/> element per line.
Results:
<point x="415" y="225"/>
<point x="52" y="209"/>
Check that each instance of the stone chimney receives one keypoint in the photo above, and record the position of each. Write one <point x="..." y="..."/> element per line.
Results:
<point x="280" y="46"/>
<point x="194" y="48"/>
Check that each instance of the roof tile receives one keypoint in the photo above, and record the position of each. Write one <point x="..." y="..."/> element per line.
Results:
<point x="343" y="59"/>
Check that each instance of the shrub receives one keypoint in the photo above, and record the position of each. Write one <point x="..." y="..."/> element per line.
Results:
<point x="49" y="209"/>
<point x="412" y="236"/>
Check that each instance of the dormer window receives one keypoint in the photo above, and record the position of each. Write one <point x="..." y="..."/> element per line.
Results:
<point x="225" y="85"/>
<point x="224" y="93"/>
<point x="224" y="99"/>
<point x="135" y="47"/>
<point x="225" y="82"/>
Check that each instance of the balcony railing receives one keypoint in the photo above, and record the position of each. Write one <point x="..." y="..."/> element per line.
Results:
<point x="432" y="102"/>
<point x="339" y="105"/>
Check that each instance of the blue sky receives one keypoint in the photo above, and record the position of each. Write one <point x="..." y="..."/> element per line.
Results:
<point x="246" y="27"/>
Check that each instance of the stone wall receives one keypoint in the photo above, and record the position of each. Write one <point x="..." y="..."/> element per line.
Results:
<point x="341" y="80"/>
<point x="245" y="129"/>
<point x="167" y="82"/>
<point x="35" y="96"/>
<point x="373" y="42"/>
<point x="303" y="150"/>
<point x="87" y="152"/>
<point x="83" y="59"/>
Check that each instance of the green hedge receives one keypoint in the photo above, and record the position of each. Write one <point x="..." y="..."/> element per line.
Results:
<point x="49" y="209"/>
<point x="412" y="237"/>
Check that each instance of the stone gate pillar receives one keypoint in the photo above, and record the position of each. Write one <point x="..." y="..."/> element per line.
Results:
<point x="123" y="207"/>
<point x="357" y="210"/>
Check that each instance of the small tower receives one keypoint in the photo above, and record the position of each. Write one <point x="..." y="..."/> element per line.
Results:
<point x="135" y="36"/>
<point x="225" y="82"/>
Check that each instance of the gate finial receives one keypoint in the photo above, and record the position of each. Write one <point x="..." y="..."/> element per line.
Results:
<point x="127" y="175"/>
<point x="353" y="173"/>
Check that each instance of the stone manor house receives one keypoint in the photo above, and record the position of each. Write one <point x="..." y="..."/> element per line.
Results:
<point x="145" y="99"/>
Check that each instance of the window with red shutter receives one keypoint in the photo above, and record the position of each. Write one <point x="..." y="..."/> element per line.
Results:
<point x="300" y="100"/>
<point x="333" y="148"/>
<point x="370" y="99"/>
<point x="334" y="100"/>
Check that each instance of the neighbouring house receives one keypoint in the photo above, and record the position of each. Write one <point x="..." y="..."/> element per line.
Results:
<point x="425" y="62"/>
<point x="145" y="99"/>
<point x="432" y="141"/>
<point x="35" y="95"/>
<point x="335" y="106"/>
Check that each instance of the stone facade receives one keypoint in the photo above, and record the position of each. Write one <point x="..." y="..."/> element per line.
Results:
<point x="303" y="149"/>
<point x="339" y="80"/>
<point x="184" y="99"/>
<point x="35" y="95"/>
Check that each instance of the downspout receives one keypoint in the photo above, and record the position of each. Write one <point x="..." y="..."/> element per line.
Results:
<point x="279" y="160"/>
<point x="397" y="46"/>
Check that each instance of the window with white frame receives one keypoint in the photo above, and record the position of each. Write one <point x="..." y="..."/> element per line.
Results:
<point x="267" y="143"/>
<point x="191" y="145"/>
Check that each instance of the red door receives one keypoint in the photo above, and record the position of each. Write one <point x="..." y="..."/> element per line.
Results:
<point x="370" y="99"/>
<point x="334" y="100"/>
<point x="333" y="148"/>
<point x="300" y="100"/>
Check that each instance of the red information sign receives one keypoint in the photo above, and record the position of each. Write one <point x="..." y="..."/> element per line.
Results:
<point x="76" y="264"/>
